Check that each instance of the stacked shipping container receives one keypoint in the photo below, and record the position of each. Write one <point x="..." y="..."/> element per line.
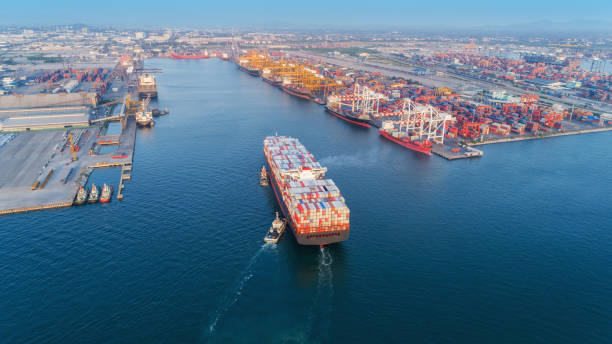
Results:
<point x="315" y="207"/>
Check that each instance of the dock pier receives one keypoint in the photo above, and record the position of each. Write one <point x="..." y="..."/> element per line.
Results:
<point x="124" y="176"/>
<point x="57" y="190"/>
<point x="452" y="153"/>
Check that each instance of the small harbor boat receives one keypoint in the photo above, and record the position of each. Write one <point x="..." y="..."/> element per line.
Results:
<point x="107" y="192"/>
<point x="276" y="230"/>
<point x="263" y="176"/>
<point x="94" y="194"/>
<point x="81" y="197"/>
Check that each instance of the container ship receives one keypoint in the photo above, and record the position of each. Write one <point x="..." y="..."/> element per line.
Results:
<point x="190" y="56"/>
<point x="313" y="205"/>
<point x="347" y="115"/>
<point x="246" y="68"/>
<point x="295" y="90"/>
<point x="147" y="86"/>
<point x="268" y="77"/>
<point x="404" y="139"/>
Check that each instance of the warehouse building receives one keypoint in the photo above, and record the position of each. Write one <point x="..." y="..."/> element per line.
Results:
<point x="45" y="111"/>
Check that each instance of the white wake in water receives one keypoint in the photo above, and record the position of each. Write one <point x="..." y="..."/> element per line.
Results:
<point x="236" y="291"/>
<point x="359" y="159"/>
<point x="320" y="311"/>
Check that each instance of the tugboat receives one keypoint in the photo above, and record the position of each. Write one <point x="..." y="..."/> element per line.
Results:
<point x="263" y="176"/>
<point x="94" y="194"/>
<point x="157" y="112"/>
<point x="107" y="192"/>
<point x="81" y="197"/>
<point x="276" y="230"/>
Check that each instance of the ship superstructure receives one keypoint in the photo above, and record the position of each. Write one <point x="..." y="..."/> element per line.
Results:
<point x="144" y="116"/>
<point x="147" y="86"/>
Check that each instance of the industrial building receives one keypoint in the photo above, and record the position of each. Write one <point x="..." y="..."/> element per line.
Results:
<point x="45" y="111"/>
<point x="47" y="118"/>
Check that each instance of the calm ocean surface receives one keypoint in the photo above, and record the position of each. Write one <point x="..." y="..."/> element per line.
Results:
<point x="514" y="247"/>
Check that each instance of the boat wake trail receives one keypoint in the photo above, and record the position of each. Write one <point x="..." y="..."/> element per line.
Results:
<point x="236" y="291"/>
<point x="362" y="159"/>
<point x="320" y="311"/>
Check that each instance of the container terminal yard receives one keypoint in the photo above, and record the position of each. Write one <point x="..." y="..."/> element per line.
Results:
<point x="424" y="119"/>
<point x="50" y="142"/>
<point x="54" y="111"/>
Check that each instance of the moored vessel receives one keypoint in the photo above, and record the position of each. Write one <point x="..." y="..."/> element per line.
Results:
<point x="144" y="119"/>
<point x="276" y="230"/>
<point x="270" y="78"/>
<point x="319" y="100"/>
<point x="251" y="70"/>
<point x="94" y="194"/>
<point x="313" y="205"/>
<point x="144" y="115"/>
<point x="147" y="86"/>
<point x="404" y="139"/>
<point x="81" y="197"/>
<point x="345" y="115"/>
<point x="107" y="193"/>
<point x="298" y="91"/>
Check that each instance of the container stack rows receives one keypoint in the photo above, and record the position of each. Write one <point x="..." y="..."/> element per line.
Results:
<point x="314" y="203"/>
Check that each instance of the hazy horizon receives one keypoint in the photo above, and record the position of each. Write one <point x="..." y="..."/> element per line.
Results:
<point x="444" y="14"/>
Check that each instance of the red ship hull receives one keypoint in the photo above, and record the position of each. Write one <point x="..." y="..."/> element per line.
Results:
<point x="296" y="93"/>
<point x="362" y="124"/>
<point x="110" y="195"/>
<point x="410" y="145"/>
<point x="188" y="57"/>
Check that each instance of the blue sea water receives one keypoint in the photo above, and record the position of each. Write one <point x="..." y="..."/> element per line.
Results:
<point x="513" y="247"/>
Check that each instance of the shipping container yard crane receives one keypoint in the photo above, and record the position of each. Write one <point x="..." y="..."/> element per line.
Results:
<point x="424" y="121"/>
<point x="297" y="73"/>
<point x="362" y="100"/>
<point x="530" y="102"/>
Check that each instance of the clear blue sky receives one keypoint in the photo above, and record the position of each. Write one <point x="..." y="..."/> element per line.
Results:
<point x="302" y="13"/>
